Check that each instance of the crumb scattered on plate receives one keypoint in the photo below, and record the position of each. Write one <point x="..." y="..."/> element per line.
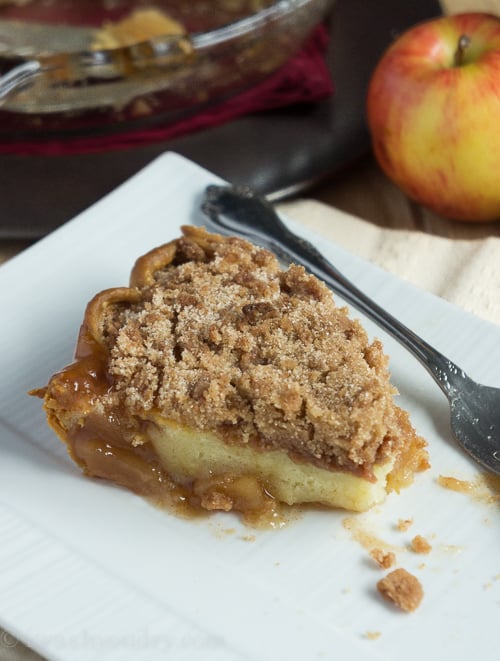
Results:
<point x="402" y="588"/>
<point x="384" y="559"/>
<point x="372" y="635"/>
<point x="420" y="545"/>
<point x="404" y="524"/>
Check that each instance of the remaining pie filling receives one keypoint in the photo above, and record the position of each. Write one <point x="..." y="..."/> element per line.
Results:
<point x="220" y="381"/>
<point x="141" y="25"/>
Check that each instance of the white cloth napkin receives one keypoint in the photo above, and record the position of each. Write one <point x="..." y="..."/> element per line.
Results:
<point x="464" y="272"/>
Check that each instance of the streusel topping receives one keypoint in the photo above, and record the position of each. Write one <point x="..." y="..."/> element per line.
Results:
<point x="223" y="339"/>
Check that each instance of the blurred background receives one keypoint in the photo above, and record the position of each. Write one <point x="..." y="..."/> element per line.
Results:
<point x="317" y="143"/>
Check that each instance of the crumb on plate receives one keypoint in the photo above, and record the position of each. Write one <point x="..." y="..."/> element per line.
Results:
<point x="372" y="635"/>
<point x="384" y="559"/>
<point x="404" y="524"/>
<point x="402" y="588"/>
<point x="420" y="545"/>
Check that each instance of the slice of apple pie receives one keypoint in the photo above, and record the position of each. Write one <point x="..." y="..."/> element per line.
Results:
<point x="218" y="379"/>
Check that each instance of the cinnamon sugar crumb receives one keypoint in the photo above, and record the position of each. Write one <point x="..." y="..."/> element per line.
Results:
<point x="372" y="635"/>
<point x="222" y="339"/>
<point x="420" y="545"/>
<point x="402" y="588"/>
<point x="404" y="524"/>
<point x="384" y="559"/>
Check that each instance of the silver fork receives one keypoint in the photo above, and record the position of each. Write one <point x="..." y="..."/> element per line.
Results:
<point x="475" y="408"/>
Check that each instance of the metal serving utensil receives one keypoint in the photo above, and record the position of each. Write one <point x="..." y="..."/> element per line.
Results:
<point x="475" y="409"/>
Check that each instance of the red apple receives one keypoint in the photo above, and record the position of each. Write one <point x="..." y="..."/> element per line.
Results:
<point x="433" y="110"/>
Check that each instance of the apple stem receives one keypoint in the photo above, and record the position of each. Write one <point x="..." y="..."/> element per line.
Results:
<point x="463" y="44"/>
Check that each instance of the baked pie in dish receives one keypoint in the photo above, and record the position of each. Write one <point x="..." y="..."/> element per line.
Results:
<point x="219" y="381"/>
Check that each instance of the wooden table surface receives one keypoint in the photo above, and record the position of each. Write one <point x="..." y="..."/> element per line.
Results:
<point x="365" y="191"/>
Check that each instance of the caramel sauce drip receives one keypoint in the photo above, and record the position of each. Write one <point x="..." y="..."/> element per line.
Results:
<point x="412" y="459"/>
<point x="485" y="488"/>
<point x="368" y="540"/>
<point x="454" y="484"/>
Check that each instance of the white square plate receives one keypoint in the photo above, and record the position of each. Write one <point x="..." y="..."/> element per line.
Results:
<point x="90" y="571"/>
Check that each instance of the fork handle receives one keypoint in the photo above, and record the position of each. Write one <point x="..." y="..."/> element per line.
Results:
<point x="257" y="220"/>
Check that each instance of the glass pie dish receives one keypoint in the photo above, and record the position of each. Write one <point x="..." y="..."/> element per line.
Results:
<point x="136" y="60"/>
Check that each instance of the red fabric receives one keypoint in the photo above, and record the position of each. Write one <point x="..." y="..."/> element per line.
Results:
<point x="304" y="79"/>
